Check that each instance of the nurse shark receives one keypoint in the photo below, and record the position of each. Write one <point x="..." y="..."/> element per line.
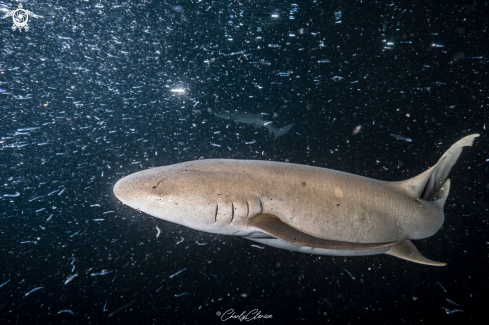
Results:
<point x="296" y="207"/>
<point x="255" y="120"/>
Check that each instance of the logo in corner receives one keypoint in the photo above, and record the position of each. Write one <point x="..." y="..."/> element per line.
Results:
<point x="20" y="17"/>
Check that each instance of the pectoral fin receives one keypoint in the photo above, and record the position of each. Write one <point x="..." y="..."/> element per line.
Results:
<point x="407" y="251"/>
<point x="272" y="225"/>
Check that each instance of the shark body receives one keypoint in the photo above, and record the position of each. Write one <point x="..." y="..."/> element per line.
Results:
<point x="297" y="207"/>
<point x="255" y="120"/>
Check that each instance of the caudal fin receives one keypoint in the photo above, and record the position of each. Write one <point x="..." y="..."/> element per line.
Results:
<point x="433" y="185"/>
<point x="278" y="132"/>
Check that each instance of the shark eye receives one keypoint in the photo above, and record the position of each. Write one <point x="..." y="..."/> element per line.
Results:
<point x="159" y="199"/>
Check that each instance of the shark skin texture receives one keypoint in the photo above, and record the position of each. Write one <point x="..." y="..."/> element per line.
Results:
<point x="297" y="207"/>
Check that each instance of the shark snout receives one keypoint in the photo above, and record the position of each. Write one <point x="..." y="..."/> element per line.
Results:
<point x="129" y="190"/>
<point x="122" y="190"/>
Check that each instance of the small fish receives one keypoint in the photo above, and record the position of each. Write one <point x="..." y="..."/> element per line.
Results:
<point x="159" y="232"/>
<point x="35" y="289"/>
<point x="357" y="130"/>
<point x="181" y="240"/>
<point x="260" y="247"/>
<point x="179" y="295"/>
<point x="350" y="274"/>
<point x="29" y="129"/>
<point x="441" y="286"/>
<point x="1" y="285"/>
<point x="452" y="302"/>
<point x="76" y="233"/>
<point x="66" y="311"/>
<point x="12" y="195"/>
<point x="70" y="278"/>
<point x="52" y="191"/>
<point x="453" y="311"/>
<point x="104" y="272"/>
<point x="120" y="308"/>
<point x="400" y="137"/>
<point x="177" y="273"/>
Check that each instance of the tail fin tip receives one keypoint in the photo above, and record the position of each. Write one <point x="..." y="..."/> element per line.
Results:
<point x="432" y="184"/>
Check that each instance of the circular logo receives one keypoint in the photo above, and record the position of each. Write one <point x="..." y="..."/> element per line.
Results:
<point x="20" y="17"/>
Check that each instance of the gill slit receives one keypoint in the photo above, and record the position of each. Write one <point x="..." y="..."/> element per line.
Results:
<point x="232" y="212"/>
<point x="217" y="208"/>
<point x="247" y="209"/>
<point x="261" y="204"/>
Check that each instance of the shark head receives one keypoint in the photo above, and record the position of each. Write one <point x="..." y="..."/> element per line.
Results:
<point x="168" y="193"/>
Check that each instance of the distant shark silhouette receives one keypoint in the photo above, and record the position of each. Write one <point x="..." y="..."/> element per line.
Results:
<point x="255" y="120"/>
<point x="296" y="207"/>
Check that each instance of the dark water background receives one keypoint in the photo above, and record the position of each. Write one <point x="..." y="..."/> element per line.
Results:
<point x="96" y="78"/>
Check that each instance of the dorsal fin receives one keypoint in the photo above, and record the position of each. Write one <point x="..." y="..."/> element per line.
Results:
<point x="427" y="184"/>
